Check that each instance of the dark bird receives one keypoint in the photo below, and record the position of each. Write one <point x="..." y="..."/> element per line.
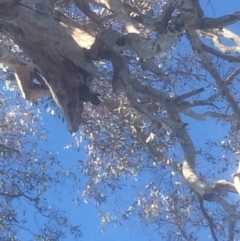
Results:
<point x="86" y="95"/>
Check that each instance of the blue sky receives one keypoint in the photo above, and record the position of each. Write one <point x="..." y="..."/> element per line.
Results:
<point x="87" y="214"/>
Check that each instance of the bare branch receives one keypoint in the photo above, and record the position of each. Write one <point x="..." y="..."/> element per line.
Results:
<point x="221" y="55"/>
<point x="187" y="95"/>
<point x="207" y="64"/>
<point x="233" y="215"/>
<point x="212" y="23"/>
<point x="208" y="218"/>
<point x="232" y="75"/>
<point x="211" y="114"/>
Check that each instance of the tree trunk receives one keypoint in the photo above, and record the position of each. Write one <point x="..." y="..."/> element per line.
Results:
<point x="59" y="57"/>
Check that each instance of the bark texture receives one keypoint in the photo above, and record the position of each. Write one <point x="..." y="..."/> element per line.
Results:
<point x="59" y="57"/>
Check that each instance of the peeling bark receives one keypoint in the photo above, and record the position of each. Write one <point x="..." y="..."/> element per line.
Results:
<point x="25" y="73"/>
<point x="60" y="59"/>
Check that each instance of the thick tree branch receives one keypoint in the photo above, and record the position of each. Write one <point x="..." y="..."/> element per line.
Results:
<point x="174" y="122"/>
<point x="85" y="8"/>
<point x="146" y="47"/>
<point x="190" y="11"/>
<point x="64" y="66"/>
<point x="221" y="55"/>
<point x="212" y="23"/>
<point x="216" y="35"/>
<point x="222" y="186"/>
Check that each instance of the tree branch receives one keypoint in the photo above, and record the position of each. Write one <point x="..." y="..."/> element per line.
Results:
<point x="85" y="8"/>
<point x="229" y="58"/>
<point x="207" y="64"/>
<point x="212" y="23"/>
<point x="187" y="95"/>
<point x="205" y="115"/>
<point x="25" y="72"/>
<point x="209" y="220"/>
<point x="232" y="75"/>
